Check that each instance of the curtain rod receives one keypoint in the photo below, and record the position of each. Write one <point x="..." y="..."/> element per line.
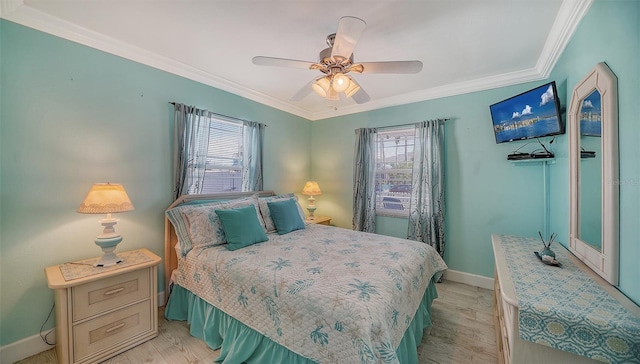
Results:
<point x="410" y="124"/>
<point x="225" y="116"/>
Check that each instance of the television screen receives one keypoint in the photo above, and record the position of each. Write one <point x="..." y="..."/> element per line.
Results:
<point x="532" y="114"/>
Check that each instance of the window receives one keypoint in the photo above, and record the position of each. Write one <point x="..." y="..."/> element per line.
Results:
<point x="223" y="169"/>
<point x="215" y="153"/>
<point x="394" y="166"/>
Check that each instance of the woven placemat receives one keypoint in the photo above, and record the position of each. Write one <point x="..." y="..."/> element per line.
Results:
<point x="85" y="268"/>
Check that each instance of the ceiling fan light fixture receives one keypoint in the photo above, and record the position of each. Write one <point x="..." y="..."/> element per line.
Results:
<point x="322" y="86"/>
<point x="336" y="61"/>
<point x="340" y="82"/>
<point x="352" y="89"/>
<point x="332" y="95"/>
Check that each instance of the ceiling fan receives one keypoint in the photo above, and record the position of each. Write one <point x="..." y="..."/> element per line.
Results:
<point x="336" y="62"/>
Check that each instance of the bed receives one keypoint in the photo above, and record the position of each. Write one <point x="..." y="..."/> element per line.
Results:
<point x="307" y="294"/>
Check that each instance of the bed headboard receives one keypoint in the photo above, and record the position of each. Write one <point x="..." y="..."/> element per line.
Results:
<point x="171" y="239"/>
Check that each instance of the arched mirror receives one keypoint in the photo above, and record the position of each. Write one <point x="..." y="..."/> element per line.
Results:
<point x="593" y="158"/>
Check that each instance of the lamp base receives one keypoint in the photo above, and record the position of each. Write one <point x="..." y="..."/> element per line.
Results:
<point x="311" y="207"/>
<point x="311" y="210"/>
<point x="108" y="245"/>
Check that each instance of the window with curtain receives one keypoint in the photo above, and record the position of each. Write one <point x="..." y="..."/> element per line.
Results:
<point x="223" y="168"/>
<point x="394" y="171"/>
<point x="215" y="153"/>
<point x="399" y="172"/>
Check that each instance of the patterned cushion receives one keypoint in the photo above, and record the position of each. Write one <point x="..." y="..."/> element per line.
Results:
<point x="266" y="214"/>
<point x="199" y="226"/>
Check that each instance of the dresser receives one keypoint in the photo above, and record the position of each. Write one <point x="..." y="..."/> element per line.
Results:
<point x="556" y="309"/>
<point x="103" y="311"/>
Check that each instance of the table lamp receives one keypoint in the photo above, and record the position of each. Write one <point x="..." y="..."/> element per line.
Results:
<point x="311" y="189"/>
<point x="106" y="198"/>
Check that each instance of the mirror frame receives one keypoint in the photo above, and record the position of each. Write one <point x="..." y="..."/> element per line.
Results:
<point x="605" y="261"/>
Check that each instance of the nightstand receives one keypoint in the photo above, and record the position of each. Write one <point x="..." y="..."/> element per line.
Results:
<point x="320" y="220"/>
<point x="103" y="311"/>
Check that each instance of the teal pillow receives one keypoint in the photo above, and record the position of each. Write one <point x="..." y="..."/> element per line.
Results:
<point x="285" y="216"/>
<point x="241" y="227"/>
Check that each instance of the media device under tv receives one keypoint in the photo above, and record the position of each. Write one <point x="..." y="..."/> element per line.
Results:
<point x="531" y="114"/>
<point x="536" y="154"/>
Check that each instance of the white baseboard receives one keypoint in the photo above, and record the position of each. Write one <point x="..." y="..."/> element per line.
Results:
<point x="33" y="345"/>
<point x="25" y="348"/>
<point x="161" y="299"/>
<point x="468" y="278"/>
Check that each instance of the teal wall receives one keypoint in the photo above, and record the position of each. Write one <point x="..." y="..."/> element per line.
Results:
<point x="482" y="188"/>
<point x="485" y="193"/>
<point x="609" y="33"/>
<point x="72" y="116"/>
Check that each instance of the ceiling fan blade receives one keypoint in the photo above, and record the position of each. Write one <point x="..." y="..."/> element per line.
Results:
<point x="361" y="96"/>
<point x="303" y="92"/>
<point x="392" y="67"/>
<point x="281" y="62"/>
<point x="349" y="30"/>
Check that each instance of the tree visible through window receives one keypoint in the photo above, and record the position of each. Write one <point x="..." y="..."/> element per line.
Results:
<point x="394" y="165"/>
<point x="223" y="171"/>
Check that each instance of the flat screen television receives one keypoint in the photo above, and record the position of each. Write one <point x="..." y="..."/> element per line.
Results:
<point x="531" y="114"/>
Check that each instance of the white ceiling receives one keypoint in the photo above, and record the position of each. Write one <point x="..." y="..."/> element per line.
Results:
<point x="465" y="45"/>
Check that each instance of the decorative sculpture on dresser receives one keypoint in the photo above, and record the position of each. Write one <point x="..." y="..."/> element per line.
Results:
<point x="547" y="255"/>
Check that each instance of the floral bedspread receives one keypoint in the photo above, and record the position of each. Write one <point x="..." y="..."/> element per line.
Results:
<point x="326" y="293"/>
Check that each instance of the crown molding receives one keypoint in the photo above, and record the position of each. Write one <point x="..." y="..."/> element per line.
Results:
<point x="480" y="84"/>
<point x="569" y="16"/>
<point x="567" y="20"/>
<point x="15" y="11"/>
<point x="565" y="24"/>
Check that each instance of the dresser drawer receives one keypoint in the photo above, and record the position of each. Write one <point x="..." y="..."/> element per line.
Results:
<point x="100" y="296"/>
<point x="108" y="331"/>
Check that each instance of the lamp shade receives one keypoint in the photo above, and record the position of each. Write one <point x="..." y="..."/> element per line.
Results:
<point x="311" y="188"/>
<point x="340" y="82"/>
<point x="322" y="86"/>
<point x="352" y="89"/>
<point x="105" y="198"/>
<point x="332" y="95"/>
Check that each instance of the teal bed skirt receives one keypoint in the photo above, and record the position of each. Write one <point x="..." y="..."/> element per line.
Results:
<point x="241" y="344"/>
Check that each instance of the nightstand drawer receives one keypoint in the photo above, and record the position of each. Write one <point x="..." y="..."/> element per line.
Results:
<point x="111" y="329"/>
<point x="100" y="296"/>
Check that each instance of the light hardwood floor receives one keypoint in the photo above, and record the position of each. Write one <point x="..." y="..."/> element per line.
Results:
<point x="462" y="332"/>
